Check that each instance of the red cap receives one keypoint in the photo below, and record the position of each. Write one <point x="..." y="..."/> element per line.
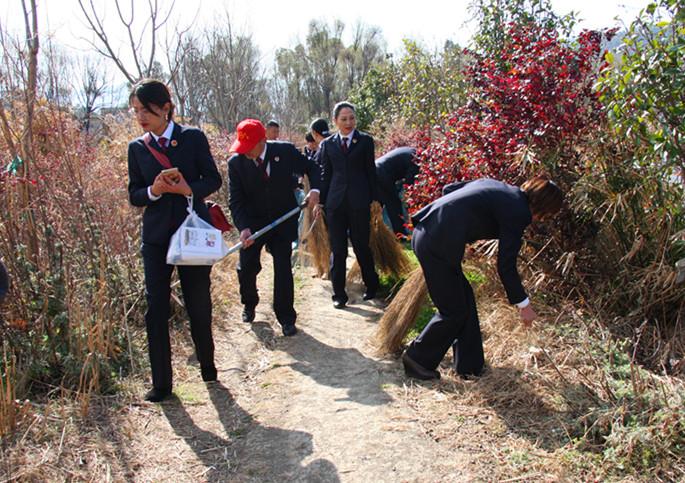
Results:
<point x="248" y="133"/>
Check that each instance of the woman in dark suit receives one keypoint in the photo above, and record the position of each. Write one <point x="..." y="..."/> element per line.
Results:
<point x="164" y="197"/>
<point x="468" y="211"/>
<point x="348" y="188"/>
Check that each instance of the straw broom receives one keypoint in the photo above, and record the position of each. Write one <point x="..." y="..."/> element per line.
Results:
<point x="387" y="251"/>
<point x="314" y="240"/>
<point x="400" y="316"/>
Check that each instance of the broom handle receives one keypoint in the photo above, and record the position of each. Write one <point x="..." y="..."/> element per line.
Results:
<point x="268" y="227"/>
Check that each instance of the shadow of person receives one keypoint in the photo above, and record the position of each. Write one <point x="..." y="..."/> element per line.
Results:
<point x="363" y="378"/>
<point x="369" y="315"/>
<point x="522" y="408"/>
<point x="249" y="451"/>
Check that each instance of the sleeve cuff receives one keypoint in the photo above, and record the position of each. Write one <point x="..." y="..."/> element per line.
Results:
<point x="314" y="190"/>
<point x="523" y="304"/>
<point x="151" y="196"/>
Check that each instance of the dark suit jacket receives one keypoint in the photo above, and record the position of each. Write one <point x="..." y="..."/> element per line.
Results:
<point x="396" y="165"/>
<point x="351" y="175"/>
<point x="191" y="155"/>
<point x="256" y="202"/>
<point x="480" y="210"/>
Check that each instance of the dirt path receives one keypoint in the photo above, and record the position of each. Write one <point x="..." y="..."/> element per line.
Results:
<point x="315" y="407"/>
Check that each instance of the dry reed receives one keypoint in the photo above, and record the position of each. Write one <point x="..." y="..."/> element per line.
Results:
<point x="401" y="314"/>
<point x="8" y="408"/>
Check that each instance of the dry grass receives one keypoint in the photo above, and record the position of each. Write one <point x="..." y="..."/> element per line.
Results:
<point x="399" y="317"/>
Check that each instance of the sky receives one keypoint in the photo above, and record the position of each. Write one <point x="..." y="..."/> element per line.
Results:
<point x="281" y="23"/>
<point x="275" y="24"/>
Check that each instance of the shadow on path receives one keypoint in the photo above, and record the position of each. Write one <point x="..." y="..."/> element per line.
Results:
<point x="251" y="452"/>
<point x="331" y="366"/>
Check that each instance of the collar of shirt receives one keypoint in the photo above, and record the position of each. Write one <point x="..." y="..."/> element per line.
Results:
<point x="263" y="156"/>
<point x="349" y="137"/>
<point x="166" y="134"/>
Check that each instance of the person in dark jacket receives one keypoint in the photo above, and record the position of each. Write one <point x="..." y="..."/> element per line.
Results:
<point x="273" y="130"/>
<point x="164" y="197"/>
<point x="311" y="147"/>
<point x="348" y="187"/>
<point x="260" y="186"/>
<point x="469" y="211"/>
<point x="395" y="166"/>
<point x="319" y="130"/>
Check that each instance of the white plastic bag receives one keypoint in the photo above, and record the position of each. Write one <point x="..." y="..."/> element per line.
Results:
<point x="196" y="242"/>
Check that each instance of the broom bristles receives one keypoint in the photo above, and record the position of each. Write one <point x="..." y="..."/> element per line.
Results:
<point x="400" y="316"/>
<point x="387" y="250"/>
<point x="315" y="247"/>
<point x="388" y="255"/>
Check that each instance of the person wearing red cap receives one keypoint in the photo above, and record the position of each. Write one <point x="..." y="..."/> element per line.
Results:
<point x="261" y="189"/>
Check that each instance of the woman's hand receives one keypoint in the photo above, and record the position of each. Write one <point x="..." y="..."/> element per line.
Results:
<point x="178" y="184"/>
<point x="312" y="199"/>
<point x="528" y="315"/>
<point x="161" y="185"/>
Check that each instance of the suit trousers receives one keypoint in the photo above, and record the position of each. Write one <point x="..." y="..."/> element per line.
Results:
<point x="456" y="318"/>
<point x="393" y="206"/>
<point x="357" y="221"/>
<point x="195" y="285"/>
<point x="249" y="266"/>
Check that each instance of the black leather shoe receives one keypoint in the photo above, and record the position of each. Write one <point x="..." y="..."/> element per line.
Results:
<point x="208" y="373"/>
<point x="369" y="295"/>
<point x="289" y="330"/>
<point x="248" y="314"/>
<point x="339" y="304"/>
<point x="157" y="394"/>
<point x="416" y="370"/>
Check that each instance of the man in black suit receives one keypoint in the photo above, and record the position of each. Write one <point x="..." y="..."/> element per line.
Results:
<point x="348" y="188"/>
<point x="395" y="166"/>
<point x="470" y="211"/>
<point x="261" y="184"/>
<point x="273" y="129"/>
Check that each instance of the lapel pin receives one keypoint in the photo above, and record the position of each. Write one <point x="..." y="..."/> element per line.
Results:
<point x="277" y="159"/>
<point x="174" y="143"/>
<point x="354" y="141"/>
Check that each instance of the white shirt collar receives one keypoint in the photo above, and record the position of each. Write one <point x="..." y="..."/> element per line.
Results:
<point x="263" y="155"/>
<point x="348" y="136"/>
<point x="167" y="132"/>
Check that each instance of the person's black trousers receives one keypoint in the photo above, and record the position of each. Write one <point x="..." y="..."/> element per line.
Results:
<point x="249" y="266"/>
<point x="456" y="317"/>
<point x="195" y="285"/>
<point x="393" y="205"/>
<point x="358" y="222"/>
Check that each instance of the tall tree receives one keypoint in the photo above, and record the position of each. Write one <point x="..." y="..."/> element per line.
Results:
<point x="316" y="74"/>
<point x="142" y="30"/>
<point x="220" y="79"/>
